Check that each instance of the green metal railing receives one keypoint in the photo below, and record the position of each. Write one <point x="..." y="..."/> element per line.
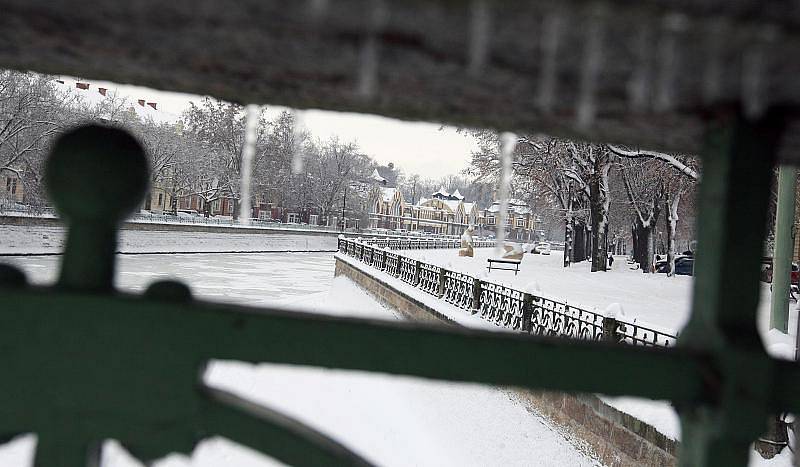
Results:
<point x="83" y="362"/>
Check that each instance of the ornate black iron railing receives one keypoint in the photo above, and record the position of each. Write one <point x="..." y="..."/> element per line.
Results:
<point x="512" y="308"/>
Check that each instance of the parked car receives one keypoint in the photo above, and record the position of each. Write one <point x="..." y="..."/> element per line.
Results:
<point x="684" y="266"/>
<point x="542" y="248"/>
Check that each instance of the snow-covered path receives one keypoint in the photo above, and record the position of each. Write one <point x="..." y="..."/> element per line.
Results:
<point x="390" y="420"/>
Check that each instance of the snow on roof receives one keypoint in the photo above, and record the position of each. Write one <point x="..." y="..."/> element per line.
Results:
<point x="376" y="176"/>
<point x="456" y="194"/>
<point x="94" y="95"/>
<point x="441" y="192"/>
<point x="514" y="205"/>
<point x="452" y="204"/>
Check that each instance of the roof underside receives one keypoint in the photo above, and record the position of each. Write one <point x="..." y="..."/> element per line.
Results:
<point x="641" y="73"/>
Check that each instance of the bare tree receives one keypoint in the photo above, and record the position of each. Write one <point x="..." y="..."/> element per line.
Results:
<point x="645" y="192"/>
<point x="32" y="112"/>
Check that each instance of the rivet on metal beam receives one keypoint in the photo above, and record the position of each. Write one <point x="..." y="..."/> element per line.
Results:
<point x="368" y="59"/>
<point x="480" y="29"/>
<point x="590" y="69"/>
<point x="673" y="24"/>
<point x="552" y="30"/>
<point x="755" y="61"/>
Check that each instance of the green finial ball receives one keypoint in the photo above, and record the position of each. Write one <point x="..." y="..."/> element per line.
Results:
<point x="96" y="173"/>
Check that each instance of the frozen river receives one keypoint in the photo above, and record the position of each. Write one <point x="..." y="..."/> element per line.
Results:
<point x="391" y="420"/>
<point x="248" y="278"/>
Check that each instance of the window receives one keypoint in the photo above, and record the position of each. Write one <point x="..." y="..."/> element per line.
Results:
<point x="11" y="185"/>
<point x="490" y="220"/>
<point x="313" y="219"/>
<point x="263" y="215"/>
<point x="293" y="217"/>
<point x="520" y="222"/>
<point x="160" y="199"/>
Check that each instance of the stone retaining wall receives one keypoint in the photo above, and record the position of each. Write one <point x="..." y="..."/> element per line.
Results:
<point x="613" y="437"/>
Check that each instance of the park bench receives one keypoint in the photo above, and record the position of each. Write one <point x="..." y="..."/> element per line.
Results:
<point x="515" y="262"/>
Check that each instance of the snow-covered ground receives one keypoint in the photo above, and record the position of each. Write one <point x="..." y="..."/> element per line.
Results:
<point x="390" y="420"/>
<point x="37" y="240"/>
<point x="650" y="299"/>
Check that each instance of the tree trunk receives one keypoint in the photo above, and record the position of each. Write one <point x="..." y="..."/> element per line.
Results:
<point x="672" y="226"/>
<point x="568" y="237"/>
<point x="644" y="235"/>
<point x="599" y="224"/>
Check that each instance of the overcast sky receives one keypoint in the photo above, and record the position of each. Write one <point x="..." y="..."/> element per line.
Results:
<point x="423" y="148"/>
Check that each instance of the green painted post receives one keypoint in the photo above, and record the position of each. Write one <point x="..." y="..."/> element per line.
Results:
<point x="731" y="230"/>
<point x="782" y="258"/>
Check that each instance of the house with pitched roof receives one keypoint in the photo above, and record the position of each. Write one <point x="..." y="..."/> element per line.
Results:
<point x="520" y="220"/>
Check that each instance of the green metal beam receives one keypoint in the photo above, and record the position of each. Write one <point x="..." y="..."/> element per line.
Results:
<point x="731" y="230"/>
<point x="782" y="258"/>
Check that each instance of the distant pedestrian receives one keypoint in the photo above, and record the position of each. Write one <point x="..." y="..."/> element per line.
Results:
<point x="610" y="259"/>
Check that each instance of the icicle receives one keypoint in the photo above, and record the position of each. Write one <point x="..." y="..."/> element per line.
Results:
<point x="754" y="65"/>
<point x="551" y="36"/>
<point x="480" y="28"/>
<point x="592" y="60"/>
<point x="368" y="58"/>
<point x="298" y="151"/>
<point x="252" y="114"/>
<point x="639" y="87"/>
<point x="508" y="141"/>
<point x="668" y="61"/>
<point x="713" y="72"/>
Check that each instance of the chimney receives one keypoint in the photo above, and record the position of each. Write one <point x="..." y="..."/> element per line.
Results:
<point x="102" y="91"/>
<point x="153" y="105"/>
<point x="82" y="85"/>
<point x="141" y="102"/>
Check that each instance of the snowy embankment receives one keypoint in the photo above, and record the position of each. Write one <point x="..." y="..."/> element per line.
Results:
<point x="23" y="240"/>
<point x="654" y="300"/>
<point x="392" y="421"/>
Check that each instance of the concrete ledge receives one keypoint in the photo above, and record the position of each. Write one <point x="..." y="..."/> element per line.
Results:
<point x="173" y="227"/>
<point x="611" y="436"/>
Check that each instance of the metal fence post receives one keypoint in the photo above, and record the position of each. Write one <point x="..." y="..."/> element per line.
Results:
<point x="527" y="311"/>
<point x="442" y="279"/>
<point x="417" y="270"/>
<point x="476" y="295"/>
<point x="610" y="326"/>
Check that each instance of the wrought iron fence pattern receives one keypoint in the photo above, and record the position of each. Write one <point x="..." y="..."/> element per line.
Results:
<point x="392" y="264"/>
<point x="635" y="334"/>
<point x="553" y="318"/>
<point x="459" y="289"/>
<point x="429" y="278"/>
<point x="408" y="270"/>
<point x="368" y="255"/>
<point x="502" y="305"/>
